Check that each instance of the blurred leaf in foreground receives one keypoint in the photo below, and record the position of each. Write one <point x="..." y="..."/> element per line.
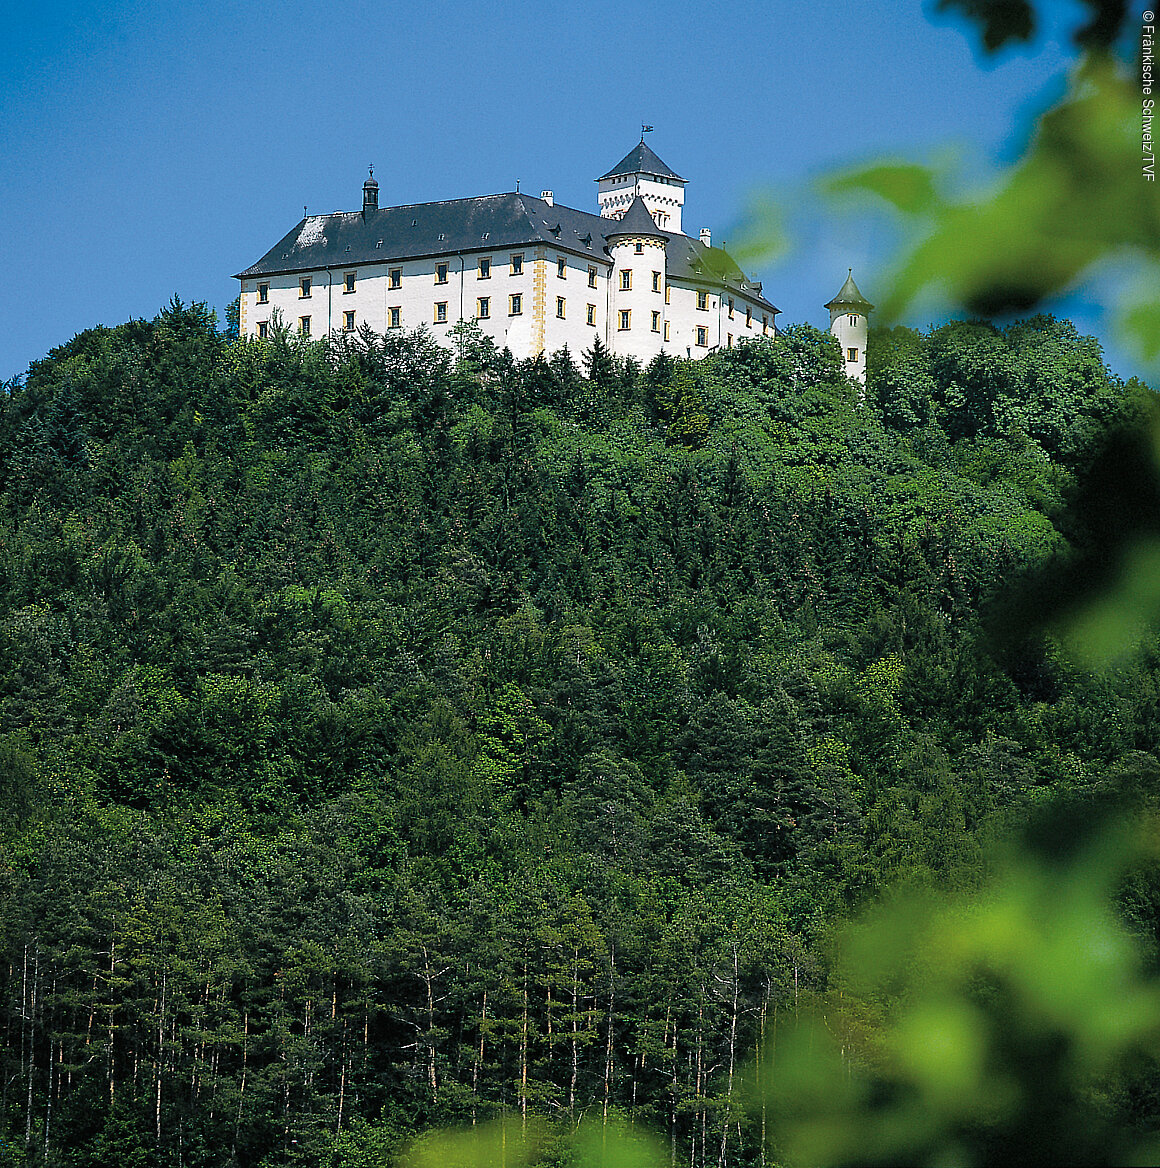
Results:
<point x="1002" y="1021"/>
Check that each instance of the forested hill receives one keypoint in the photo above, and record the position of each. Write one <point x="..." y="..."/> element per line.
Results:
<point x="392" y="740"/>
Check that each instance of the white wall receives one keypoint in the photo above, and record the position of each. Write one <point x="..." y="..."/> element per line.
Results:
<point x="663" y="198"/>
<point x="850" y="329"/>
<point x="419" y="292"/>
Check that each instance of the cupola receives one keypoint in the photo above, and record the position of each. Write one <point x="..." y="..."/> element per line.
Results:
<point x="370" y="193"/>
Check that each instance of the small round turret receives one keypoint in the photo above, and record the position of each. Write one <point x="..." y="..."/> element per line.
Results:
<point x="370" y="193"/>
<point x="850" y="322"/>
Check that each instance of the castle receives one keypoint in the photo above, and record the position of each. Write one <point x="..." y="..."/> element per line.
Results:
<point x="534" y="274"/>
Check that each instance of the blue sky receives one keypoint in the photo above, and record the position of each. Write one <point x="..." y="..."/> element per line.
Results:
<point x="151" y="150"/>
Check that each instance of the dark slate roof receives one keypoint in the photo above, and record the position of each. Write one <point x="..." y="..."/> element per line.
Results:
<point x="641" y="160"/>
<point x="691" y="261"/>
<point x="850" y="295"/>
<point x="637" y="220"/>
<point x="482" y="224"/>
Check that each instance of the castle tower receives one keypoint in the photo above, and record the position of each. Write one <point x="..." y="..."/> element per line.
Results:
<point x="636" y="326"/>
<point x="849" y="322"/>
<point x="641" y="173"/>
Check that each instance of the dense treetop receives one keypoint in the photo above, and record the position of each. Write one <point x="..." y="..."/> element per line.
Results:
<point x="393" y="737"/>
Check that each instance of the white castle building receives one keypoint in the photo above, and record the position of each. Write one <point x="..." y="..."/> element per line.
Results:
<point x="534" y="274"/>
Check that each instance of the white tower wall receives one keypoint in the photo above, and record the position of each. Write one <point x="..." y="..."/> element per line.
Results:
<point x="850" y="327"/>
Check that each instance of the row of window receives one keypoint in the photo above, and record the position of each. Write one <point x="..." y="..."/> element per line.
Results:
<point x="395" y="281"/>
<point x="626" y="282"/>
<point x="516" y="308"/>
<point x="442" y="272"/>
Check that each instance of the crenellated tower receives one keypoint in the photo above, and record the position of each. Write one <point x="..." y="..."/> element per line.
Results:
<point x="641" y="174"/>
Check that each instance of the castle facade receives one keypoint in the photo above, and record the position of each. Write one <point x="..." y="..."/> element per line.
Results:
<point x="536" y="275"/>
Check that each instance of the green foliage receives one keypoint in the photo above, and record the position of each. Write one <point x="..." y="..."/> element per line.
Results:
<point x="393" y="742"/>
<point x="994" y="1028"/>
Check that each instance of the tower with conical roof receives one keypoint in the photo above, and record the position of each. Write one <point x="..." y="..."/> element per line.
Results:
<point x="641" y="173"/>
<point x="850" y="322"/>
<point x="638" y="277"/>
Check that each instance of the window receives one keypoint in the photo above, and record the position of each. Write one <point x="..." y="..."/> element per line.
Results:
<point x="656" y="322"/>
<point x="748" y="317"/>
<point x="396" y="278"/>
<point x="518" y="265"/>
<point x="702" y="336"/>
<point x="348" y="281"/>
<point x="591" y="277"/>
<point x="263" y="329"/>
<point x="851" y="354"/>
<point x="852" y="319"/>
<point x="395" y="317"/>
<point x="561" y="267"/>
<point x="666" y="330"/>
<point x="656" y="281"/>
<point x="639" y="248"/>
<point x="764" y="323"/>
<point x="668" y="293"/>
<point x="441" y="312"/>
<point x="304" y="288"/>
<point x="730" y="307"/>
<point x="592" y="315"/>
<point x="304" y="325"/>
<point x="263" y="293"/>
<point x="560" y="307"/>
<point x="440" y="273"/>
<point x="348" y="322"/>
<point x="702" y="300"/>
<point x="625" y="318"/>
<point x="515" y="304"/>
<point x="729" y="340"/>
<point x="483" y="307"/>
<point x="485" y="268"/>
<point x="625" y="279"/>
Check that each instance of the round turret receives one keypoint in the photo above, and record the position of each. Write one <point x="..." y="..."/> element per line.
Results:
<point x="639" y="273"/>
<point x="850" y="323"/>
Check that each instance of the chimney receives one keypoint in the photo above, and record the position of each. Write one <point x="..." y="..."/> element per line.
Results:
<point x="370" y="194"/>
<point x="547" y="197"/>
<point x="706" y="237"/>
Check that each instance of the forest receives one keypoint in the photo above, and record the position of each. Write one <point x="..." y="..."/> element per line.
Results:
<point x="395" y="739"/>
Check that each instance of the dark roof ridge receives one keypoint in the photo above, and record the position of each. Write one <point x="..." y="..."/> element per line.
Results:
<point x="642" y="159"/>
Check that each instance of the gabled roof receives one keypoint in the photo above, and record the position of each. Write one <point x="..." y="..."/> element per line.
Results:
<point x="429" y="229"/>
<point x="637" y="220"/>
<point x="483" y="224"/>
<point x="641" y="160"/>
<point x="849" y="295"/>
